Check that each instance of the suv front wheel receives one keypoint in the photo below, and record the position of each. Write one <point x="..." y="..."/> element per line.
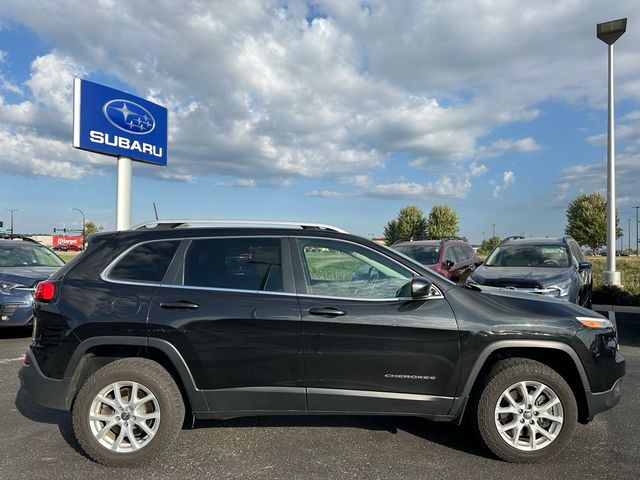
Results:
<point x="526" y="411"/>
<point x="128" y="412"/>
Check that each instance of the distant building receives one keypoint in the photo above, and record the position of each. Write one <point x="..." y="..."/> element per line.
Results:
<point x="46" y="240"/>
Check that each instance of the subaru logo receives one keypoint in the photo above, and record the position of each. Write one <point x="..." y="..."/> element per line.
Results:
<point x="129" y="116"/>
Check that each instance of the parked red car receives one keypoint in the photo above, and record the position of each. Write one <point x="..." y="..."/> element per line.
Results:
<point x="452" y="258"/>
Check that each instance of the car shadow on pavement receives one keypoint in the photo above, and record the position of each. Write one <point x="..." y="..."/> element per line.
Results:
<point x="628" y="329"/>
<point x="445" y="434"/>
<point x="34" y="412"/>
<point x="15" y="332"/>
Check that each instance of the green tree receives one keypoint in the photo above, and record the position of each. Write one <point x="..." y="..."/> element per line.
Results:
<point x="410" y="224"/>
<point x="89" y="228"/>
<point x="443" y="221"/>
<point x="489" y="244"/>
<point x="587" y="220"/>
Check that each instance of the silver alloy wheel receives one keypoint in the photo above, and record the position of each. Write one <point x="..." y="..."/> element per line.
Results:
<point x="529" y="416"/>
<point x="124" y="416"/>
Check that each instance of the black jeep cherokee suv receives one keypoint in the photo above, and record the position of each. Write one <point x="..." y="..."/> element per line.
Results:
<point x="153" y="324"/>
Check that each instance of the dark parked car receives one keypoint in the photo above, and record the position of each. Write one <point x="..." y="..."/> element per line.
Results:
<point x="177" y="319"/>
<point x="554" y="267"/>
<point x="452" y="258"/>
<point x="23" y="263"/>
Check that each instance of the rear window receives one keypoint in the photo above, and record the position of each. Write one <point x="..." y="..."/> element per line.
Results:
<point x="426" y="255"/>
<point x="145" y="263"/>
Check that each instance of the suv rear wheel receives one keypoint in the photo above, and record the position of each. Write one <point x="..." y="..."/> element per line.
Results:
<point x="128" y="412"/>
<point x="526" y="411"/>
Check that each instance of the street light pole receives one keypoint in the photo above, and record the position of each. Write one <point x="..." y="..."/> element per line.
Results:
<point x="609" y="32"/>
<point x="494" y="229"/>
<point x="83" y="224"/>
<point x="629" y="234"/>
<point x="12" y="210"/>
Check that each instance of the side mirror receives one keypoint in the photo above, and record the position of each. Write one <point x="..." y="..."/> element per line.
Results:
<point x="478" y="263"/>
<point x="448" y="264"/>
<point x="584" y="266"/>
<point x="419" y="288"/>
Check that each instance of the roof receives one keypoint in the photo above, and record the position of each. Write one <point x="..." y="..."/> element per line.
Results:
<point x="233" y="223"/>
<point x="535" y="241"/>
<point x="430" y="243"/>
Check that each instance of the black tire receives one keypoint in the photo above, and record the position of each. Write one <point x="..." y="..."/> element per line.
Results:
<point x="156" y="380"/>
<point x="504" y="374"/>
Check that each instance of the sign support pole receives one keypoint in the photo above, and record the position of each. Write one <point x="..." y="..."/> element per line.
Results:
<point x="123" y="198"/>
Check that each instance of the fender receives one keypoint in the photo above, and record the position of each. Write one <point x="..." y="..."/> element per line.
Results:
<point x="460" y="401"/>
<point x="72" y="372"/>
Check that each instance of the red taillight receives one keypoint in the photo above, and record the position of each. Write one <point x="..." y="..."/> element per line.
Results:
<point x="45" y="291"/>
<point x="25" y="360"/>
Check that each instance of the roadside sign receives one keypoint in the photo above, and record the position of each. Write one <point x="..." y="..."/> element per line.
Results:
<point x="116" y="123"/>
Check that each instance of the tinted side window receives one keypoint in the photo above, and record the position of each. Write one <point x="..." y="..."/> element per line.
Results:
<point x="145" y="263"/>
<point x="449" y="254"/>
<point x="462" y="253"/>
<point x="235" y="263"/>
<point x="470" y="252"/>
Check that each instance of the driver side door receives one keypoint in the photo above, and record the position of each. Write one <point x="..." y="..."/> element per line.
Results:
<point x="365" y="349"/>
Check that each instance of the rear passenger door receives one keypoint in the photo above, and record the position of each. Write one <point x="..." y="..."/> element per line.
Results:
<point x="230" y="308"/>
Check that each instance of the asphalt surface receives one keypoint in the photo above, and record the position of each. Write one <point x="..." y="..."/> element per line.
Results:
<point x="38" y="443"/>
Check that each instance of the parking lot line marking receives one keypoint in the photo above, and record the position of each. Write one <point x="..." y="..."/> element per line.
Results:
<point x="9" y="360"/>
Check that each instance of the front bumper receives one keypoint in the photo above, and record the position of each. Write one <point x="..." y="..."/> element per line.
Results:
<point x="601" y="401"/>
<point x="16" y="314"/>
<point x="48" y="392"/>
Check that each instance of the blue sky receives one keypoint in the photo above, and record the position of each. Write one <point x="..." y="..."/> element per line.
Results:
<point x="331" y="111"/>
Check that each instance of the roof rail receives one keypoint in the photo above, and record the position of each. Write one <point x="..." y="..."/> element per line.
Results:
<point x="446" y="239"/>
<point x="186" y="223"/>
<point x="512" y="237"/>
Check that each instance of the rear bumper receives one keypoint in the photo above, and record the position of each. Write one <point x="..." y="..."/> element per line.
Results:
<point x="48" y="392"/>
<point x="601" y="401"/>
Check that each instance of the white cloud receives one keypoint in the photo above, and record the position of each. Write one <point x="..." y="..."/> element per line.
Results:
<point x="477" y="170"/>
<point x="504" y="146"/>
<point x="443" y="188"/>
<point x="508" y="179"/>
<point x="258" y="93"/>
<point x="593" y="178"/>
<point x="324" y="194"/>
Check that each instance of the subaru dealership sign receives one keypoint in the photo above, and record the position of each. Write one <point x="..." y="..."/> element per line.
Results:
<point x="116" y="123"/>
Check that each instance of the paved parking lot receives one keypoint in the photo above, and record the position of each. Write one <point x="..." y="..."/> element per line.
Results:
<point x="38" y="443"/>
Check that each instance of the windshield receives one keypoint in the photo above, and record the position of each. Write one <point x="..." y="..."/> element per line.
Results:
<point x="22" y="254"/>
<point x="426" y="255"/>
<point x="529" y="256"/>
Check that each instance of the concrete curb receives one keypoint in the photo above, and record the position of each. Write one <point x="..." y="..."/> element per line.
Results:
<point x="615" y="308"/>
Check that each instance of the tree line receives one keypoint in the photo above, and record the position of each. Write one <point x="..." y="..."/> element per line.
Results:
<point x="586" y="223"/>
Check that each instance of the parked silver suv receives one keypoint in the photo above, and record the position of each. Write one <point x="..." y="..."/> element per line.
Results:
<point x="554" y="267"/>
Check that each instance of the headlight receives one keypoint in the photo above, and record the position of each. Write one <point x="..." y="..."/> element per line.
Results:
<point x="6" y="287"/>
<point x="559" y="289"/>
<point x="595" y="322"/>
